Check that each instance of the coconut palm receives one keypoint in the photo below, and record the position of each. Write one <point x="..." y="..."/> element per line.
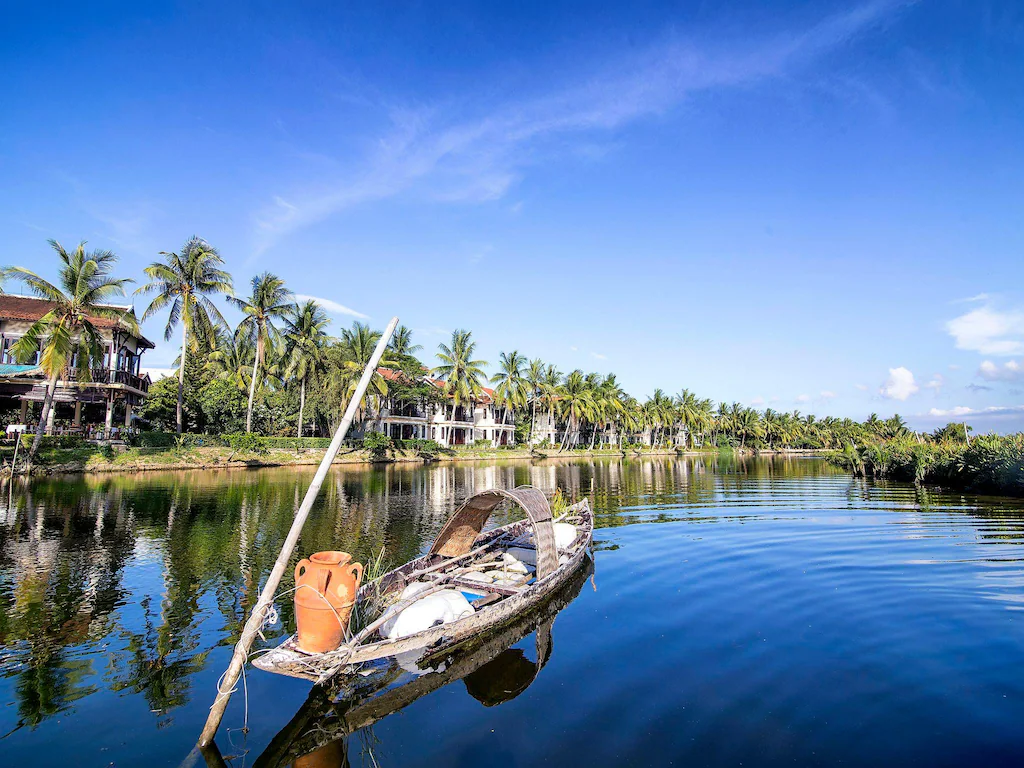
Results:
<point x="357" y="345"/>
<point x="231" y="358"/>
<point x="401" y="342"/>
<point x="269" y="302"/>
<point x="66" y="338"/>
<point x="462" y="375"/>
<point x="575" y="405"/>
<point x="511" y="390"/>
<point x="608" y="403"/>
<point x="184" y="281"/>
<point x="535" y="382"/>
<point x="305" y="339"/>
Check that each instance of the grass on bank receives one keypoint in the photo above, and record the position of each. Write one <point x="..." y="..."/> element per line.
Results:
<point x="990" y="463"/>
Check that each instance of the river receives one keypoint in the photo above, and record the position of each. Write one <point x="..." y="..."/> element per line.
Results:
<point x="761" y="611"/>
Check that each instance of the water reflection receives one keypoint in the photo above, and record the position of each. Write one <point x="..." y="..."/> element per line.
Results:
<point x="493" y="671"/>
<point x="125" y="586"/>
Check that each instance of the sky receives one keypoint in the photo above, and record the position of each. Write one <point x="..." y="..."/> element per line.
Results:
<point x="798" y="205"/>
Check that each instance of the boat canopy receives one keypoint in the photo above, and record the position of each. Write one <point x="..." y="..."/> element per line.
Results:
<point x="461" y="530"/>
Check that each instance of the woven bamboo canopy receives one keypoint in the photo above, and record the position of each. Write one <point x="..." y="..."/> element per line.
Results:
<point x="459" y="533"/>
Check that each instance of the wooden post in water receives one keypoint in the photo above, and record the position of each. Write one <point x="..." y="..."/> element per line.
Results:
<point x="252" y="626"/>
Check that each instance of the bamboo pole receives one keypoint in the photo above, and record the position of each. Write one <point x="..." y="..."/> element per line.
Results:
<point x="255" y="621"/>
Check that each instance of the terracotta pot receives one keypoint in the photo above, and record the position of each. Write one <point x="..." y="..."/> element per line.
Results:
<point x="325" y="589"/>
<point x="333" y="755"/>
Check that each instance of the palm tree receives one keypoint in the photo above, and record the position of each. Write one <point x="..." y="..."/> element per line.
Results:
<point x="183" y="282"/>
<point x="401" y="342"/>
<point x="231" y="358"/>
<point x="512" y="390"/>
<point x="575" y="404"/>
<point x="270" y="301"/>
<point x="65" y="337"/>
<point x="459" y="371"/>
<point x="535" y="381"/>
<point x="609" y="398"/>
<point x="305" y="339"/>
<point x="356" y="346"/>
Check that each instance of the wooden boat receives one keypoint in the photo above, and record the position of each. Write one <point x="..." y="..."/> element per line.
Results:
<point x="493" y="672"/>
<point x="461" y="548"/>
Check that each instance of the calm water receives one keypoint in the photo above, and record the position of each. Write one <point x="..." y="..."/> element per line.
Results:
<point x="763" y="612"/>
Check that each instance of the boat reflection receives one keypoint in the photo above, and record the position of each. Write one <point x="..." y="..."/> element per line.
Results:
<point x="491" y="669"/>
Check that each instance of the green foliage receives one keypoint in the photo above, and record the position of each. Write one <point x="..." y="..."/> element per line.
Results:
<point x="247" y="442"/>
<point x="378" y="445"/>
<point x="223" y="407"/>
<point x="152" y="440"/>
<point x="990" y="463"/>
<point x="51" y="442"/>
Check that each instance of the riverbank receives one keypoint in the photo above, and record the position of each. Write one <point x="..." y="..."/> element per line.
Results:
<point x="55" y="461"/>
<point x="989" y="463"/>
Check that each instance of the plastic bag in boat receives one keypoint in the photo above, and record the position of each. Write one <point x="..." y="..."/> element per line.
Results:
<point x="442" y="607"/>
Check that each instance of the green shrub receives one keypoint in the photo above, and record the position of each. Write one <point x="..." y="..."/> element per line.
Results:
<point x="66" y="442"/>
<point x="152" y="440"/>
<point x="247" y="442"/>
<point x="378" y="444"/>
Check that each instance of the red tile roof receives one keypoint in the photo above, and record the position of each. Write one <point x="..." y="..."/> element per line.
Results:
<point x="393" y="375"/>
<point x="31" y="309"/>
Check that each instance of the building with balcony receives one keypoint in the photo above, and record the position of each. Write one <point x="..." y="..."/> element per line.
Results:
<point x="114" y="389"/>
<point x="447" y="425"/>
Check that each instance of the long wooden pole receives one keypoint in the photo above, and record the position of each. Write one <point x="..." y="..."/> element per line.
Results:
<point x="252" y="626"/>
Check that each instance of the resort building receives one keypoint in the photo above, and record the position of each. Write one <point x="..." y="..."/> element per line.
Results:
<point x="441" y="421"/>
<point x="79" y="407"/>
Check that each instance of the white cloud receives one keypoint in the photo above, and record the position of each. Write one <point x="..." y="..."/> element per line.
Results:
<point x="1009" y="371"/>
<point x="963" y="410"/>
<point x="598" y="356"/>
<point x="954" y="367"/>
<point x="959" y="410"/>
<point x="989" y="331"/>
<point x="936" y="383"/>
<point x="757" y="401"/>
<point x="331" y="306"/>
<point x="900" y="385"/>
<point x="861" y="387"/>
<point x="827" y="395"/>
<point x="803" y="398"/>
<point x="159" y="373"/>
<point x="479" y="157"/>
<point x="574" y="349"/>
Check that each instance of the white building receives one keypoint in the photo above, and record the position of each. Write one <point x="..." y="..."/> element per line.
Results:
<point x="481" y="420"/>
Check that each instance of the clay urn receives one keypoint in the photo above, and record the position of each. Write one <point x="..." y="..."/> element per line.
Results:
<point x="325" y="590"/>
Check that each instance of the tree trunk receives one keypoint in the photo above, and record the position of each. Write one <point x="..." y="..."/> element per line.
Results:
<point x="302" y="405"/>
<point x="533" y="418"/>
<point x="252" y="384"/>
<point x="51" y="387"/>
<point x="181" y="376"/>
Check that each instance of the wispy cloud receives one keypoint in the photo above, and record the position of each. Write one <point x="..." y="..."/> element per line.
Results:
<point x="963" y="410"/>
<point x="1008" y="371"/>
<point x="331" y="306"/>
<point x="598" y="356"/>
<point x="989" y="331"/>
<point x="477" y="158"/>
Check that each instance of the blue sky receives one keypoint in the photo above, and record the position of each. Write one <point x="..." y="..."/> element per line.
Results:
<point x="810" y="205"/>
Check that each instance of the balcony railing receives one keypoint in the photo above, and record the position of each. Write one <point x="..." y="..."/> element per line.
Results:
<point x="113" y="376"/>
